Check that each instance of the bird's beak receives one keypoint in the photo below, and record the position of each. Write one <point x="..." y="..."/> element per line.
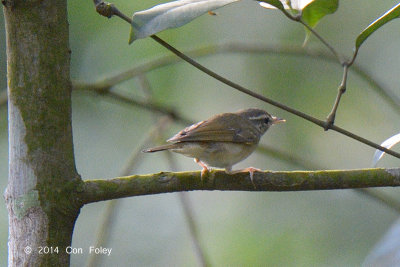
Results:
<point x="276" y="120"/>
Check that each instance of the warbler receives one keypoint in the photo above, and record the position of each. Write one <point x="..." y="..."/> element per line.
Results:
<point x="223" y="140"/>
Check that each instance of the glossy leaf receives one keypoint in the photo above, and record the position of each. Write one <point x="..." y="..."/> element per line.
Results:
<point x="170" y="15"/>
<point x="388" y="143"/>
<point x="272" y="4"/>
<point x="315" y="11"/>
<point x="385" y="18"/>
<point x="318" y="9"/>
<point x="294" y="5"/>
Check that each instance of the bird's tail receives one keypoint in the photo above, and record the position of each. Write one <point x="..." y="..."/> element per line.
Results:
<point x="159" y="148"/>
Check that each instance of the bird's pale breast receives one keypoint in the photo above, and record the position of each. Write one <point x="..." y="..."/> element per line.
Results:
<point x="216" y="154"/>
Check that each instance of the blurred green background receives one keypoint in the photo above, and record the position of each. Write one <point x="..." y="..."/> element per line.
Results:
<point x="322" y="228"/>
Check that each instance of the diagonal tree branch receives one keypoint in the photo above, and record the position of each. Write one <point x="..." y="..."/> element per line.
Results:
<point x="235" y="47"/>
<point x="185" y="202"/>
<point x="381" y="197"/>
<point x="167" y="182"/>
<point x="188" y="213"/>
<point x="149" y="105"/>
<point x="106" y="226"/>
<point x="373" y="194"/>
<point x="299" y="19"/>
<point x="109" y="10"/>
<point x="286" y="157"/>
<point x="289" y="181"/>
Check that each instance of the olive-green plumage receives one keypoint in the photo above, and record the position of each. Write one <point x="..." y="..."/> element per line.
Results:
<point x="223" y="140"/>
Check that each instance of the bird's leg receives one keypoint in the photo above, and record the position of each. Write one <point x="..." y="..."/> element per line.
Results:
<point x="251" y="171"/>
<point x="228" y="169"/>
<point x="204" y="166"/>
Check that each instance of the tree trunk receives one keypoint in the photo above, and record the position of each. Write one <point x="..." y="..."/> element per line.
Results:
<point x="41" y="192"/>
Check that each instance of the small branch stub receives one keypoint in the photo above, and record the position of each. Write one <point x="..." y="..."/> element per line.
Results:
<point x="341" y="90"/>
<point x="105" y="9"/>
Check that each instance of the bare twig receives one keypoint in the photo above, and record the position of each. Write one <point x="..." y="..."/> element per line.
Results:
<point x="298" y="18"/>
<point x="316" y="34"/>
<point x="288" y="157"/>
<point x="184" y="199"/>
<point x="261" y="149"/>
<point x="381" y="197"/>
<point x="189" y="217"/>
<point x="105" y="229"/>
<point x="341" y="90"/>
<point x="308" y="165"/>
<point x="272" y="102"/>
<point x="104" y="85"/>
<point x="144" y="104"/>
<point x="242" y="89"/>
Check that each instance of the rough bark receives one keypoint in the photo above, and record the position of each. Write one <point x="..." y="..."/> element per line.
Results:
<point x="45" y="193"/>
<point x="164" y="182"/>
<point x="42" y="175"/>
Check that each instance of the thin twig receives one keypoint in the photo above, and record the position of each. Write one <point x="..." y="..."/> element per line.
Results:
<point x="298" y="18"/>
<point x="260" y="149"/>
<point x="288" y="157"/>
<point x="381" y="197"/>
<point x="184" y="199"/>
<point x="332" y="50"/>
<point x="110" y="212"/>
<point x="341" y="90"/>
<point x="104" y="85"/>
<point x="189" y="217"/>
<point x="104" y="230"/>
<point x="151" y="106"/>
<point x="270" y="151"/>
<point x="374" y="194"/>
<point x="178" y="117"/>
<point x="242" y="89"/>
<point x="351" y="62"/>
<point x="270" y="101"/>
<point x="145" y="85"/>
<point x="316" y="34"/>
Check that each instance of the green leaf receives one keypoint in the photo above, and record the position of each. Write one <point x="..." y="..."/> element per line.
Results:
<point x="317" y="9"/>
<point x="275" y="3"/>
<point x="385" y="18"/>
<point x="170" y="15"/>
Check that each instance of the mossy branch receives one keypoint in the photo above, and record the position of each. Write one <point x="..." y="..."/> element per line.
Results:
<point x="167" y="182"/>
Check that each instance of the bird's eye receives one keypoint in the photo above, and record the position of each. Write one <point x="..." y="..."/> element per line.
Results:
<point x="266" y="120"/>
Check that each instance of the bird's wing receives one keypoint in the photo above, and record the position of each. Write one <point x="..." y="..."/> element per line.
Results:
<point x="227" y="128"/>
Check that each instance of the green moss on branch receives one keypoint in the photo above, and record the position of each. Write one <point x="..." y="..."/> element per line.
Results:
<point x="165" y="182"/>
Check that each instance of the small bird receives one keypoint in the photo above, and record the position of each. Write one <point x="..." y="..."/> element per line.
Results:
<point x="223" y="140"/>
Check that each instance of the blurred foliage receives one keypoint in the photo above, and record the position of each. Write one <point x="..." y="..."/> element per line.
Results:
<point x="331" y="228"/>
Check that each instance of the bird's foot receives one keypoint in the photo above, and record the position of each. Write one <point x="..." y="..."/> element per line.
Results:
<point x="204" y="166"/>
<point x="251" y="171"/>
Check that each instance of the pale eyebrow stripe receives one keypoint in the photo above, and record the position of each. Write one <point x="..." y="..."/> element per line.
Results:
<point x="263" y="116"/>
